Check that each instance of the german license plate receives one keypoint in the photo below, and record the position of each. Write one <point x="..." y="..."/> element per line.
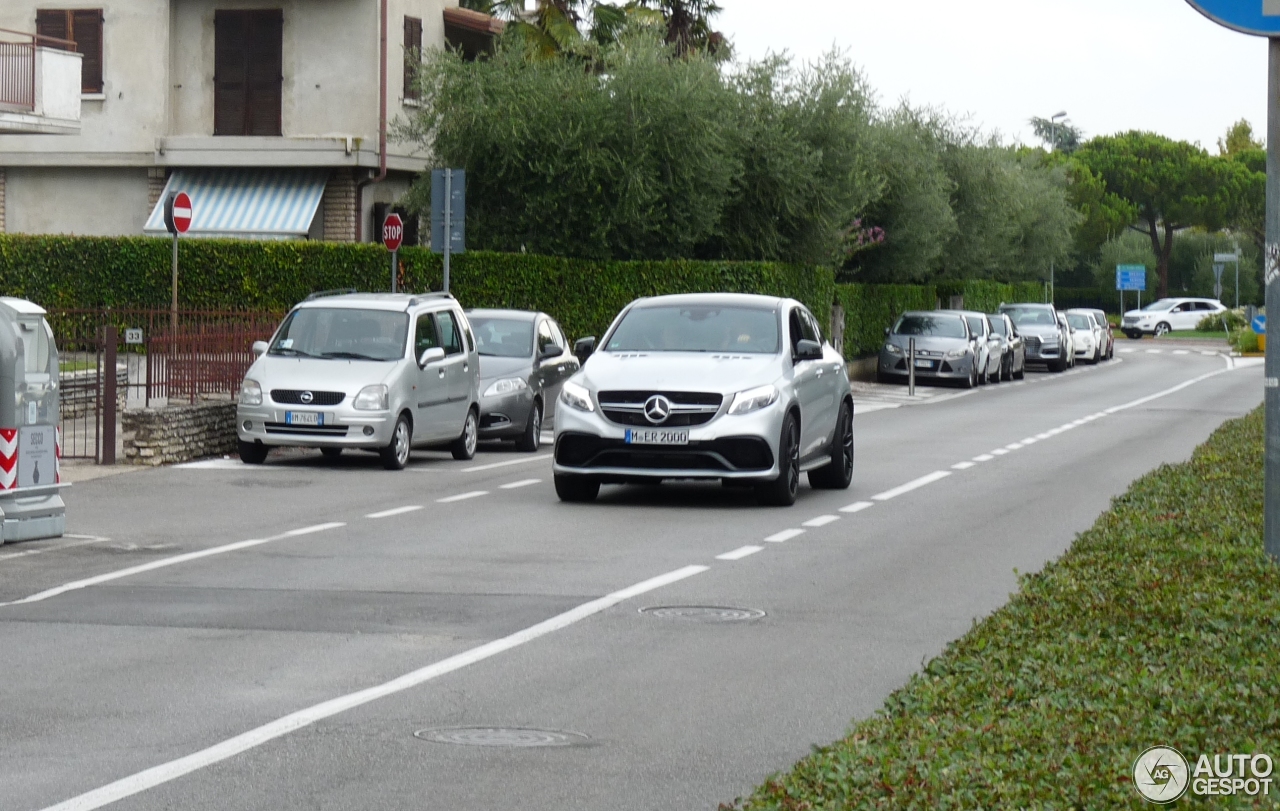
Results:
<point x="657" y="437"/>
<point x="924" y="364"/>
<point x="304" y="418"/>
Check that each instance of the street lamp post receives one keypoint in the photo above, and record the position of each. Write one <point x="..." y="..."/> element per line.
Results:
<point x="1053" y="147"/>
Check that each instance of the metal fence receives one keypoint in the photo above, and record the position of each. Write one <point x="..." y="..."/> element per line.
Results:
<point x="117" y="359"/>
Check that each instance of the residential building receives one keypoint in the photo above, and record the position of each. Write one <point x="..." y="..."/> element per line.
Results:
<point x="273" y="114"/>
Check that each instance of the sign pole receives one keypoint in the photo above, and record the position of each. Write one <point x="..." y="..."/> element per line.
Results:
<point x="173" y="302"/>
<point x="395" y="266"/>
<point x="448" y="223"/>
<point x="1271" y="509"/>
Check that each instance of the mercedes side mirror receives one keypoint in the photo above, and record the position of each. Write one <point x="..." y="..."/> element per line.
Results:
<point x="583" y="347"/>
<point x="259" y="348"/>
<point x="430" y="356"/>
<point x="808" y="350"/>
<point x="886" y="332"/>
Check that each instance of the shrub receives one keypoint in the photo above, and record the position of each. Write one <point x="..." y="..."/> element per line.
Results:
<point x="1213" y="323"/>
<point x="869" y="308"/>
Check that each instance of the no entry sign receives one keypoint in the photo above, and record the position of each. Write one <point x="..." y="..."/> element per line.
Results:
<point x="392" y="232"/>
<point x="177" y="213"/>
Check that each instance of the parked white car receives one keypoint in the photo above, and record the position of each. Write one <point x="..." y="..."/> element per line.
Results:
<point x="1087" y="337"/>
<point x="1169" y="314"/>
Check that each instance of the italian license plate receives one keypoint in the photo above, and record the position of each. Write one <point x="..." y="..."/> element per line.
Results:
<point x="924" y="364"/>
<point x="303" y="418"/>
<point x="657" y="437"/>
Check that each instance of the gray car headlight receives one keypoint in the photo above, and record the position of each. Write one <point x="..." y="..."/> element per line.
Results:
<point x="250" y="392"/>
<point x="744" y="402"/>
<point x="955" y="354"/>
<point x="893" y="349"/>
<point x="372" y="398"/>
<point x="576" y="396"/>
<point x="507" y="385"/>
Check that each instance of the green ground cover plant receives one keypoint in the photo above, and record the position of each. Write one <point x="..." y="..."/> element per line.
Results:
<point x="1158" y="626"/>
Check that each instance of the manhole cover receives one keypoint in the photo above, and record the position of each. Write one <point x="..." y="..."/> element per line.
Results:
<point x="703" y="613"/>
<point x="500" y="736"/>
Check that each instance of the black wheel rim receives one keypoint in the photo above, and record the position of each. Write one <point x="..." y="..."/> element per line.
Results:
<point x="537" y="428"/>
<point x="793" y="459"/>
<point x="846" y="444"/>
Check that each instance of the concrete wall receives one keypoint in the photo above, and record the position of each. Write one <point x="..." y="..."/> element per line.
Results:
<point x="75" y="200"/>
<point x="58" y="84"/>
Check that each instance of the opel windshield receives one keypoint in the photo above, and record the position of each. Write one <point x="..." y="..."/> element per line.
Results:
<point x="342" y="333"/>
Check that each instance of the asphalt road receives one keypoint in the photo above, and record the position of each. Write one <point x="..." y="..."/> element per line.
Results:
<point x="220" y="636"/>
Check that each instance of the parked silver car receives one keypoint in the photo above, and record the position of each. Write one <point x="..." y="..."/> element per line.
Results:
<point x="945" y="348"/>
<point x="524" y="359"/>
<point x="1048" y="341"/>
<point x="381" y="372"/>
<point x="1013" y="348"/>
<point x="740" y="388"/>
<point x="987" y="345"/>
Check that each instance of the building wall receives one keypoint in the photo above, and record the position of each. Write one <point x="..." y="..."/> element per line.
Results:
<point x="76" y="200"/>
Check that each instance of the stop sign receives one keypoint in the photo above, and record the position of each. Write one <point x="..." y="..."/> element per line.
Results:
<point x="177" y="214"/>
<point x="392" y="232"/>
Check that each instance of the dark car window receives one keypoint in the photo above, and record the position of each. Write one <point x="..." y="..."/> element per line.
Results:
<point x="976" y="325"/>
<point x="697" y="328"/>
<point x="558" y="335"/>
<point x="811" y="327"/>
<point x="424" y="335"/>
<point x="545" y="338"/>
<point x="503" y="337"/>
<point x="1030" y="316"/>
<point x="450" y="336"/>
<point x="1080" y="321"/>
<point x="999" y="327"/>
<point x="934" y="326"/>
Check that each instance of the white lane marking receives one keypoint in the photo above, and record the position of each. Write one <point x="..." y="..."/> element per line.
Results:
<point x="1206" y="352"/>
<point x="1126" y="351"/>
<point x="999" y="452"/>
<point x="228" y="464"/>
<point x="462" y="496"/>
<point x="915" y="484"/>
<point x="962" y="465"/>
<point x="28" y="552"/>
<point x="740" y="553"/>
<point x="164" y="773"/>
<point x="784" y="536"/>
<point x="1013" y="446"/>
<point x="172" y="561"/>
<point x="1154" y="351"/>
<point x="496" y="465"/>
<point x="1045" y="435"/>
<point x="986" y="457"/>
<point x="521" y="483"/>
<point x="856" y="507"/>
<point x="820" y="521"/>
<point x="1181" y="352"/>
<point x="1165" y="393"/>
<point x="1029" y="441"/>
<point x="396" y="511"/>
<point x="867" y="408"/>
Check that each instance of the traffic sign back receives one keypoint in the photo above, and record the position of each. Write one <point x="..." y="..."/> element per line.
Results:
<point x="1259" y="17"/>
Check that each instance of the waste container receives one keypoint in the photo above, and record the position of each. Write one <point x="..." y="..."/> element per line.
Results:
<point x="31" y="503"/>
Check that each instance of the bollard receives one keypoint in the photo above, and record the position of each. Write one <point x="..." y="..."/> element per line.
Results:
<point x="911" y="367"/>
<point x="110" y="336"/>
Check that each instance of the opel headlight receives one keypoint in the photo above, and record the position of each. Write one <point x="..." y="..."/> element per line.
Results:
<point x="955" y="354"/>
<point x="893" y="349"/>
<point x="372" y="398"/>
<point x="744" y="402"/>
<point x="250" y="392"/>
<point x="507" y="385"/>
<point x="576" y="396"/>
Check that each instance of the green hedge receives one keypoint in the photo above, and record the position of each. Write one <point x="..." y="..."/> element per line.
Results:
<point x="73" y="272"/>
<point x="986" y="296"/>
<point x="1064" y="298"/>
<point x="869" y="308"/>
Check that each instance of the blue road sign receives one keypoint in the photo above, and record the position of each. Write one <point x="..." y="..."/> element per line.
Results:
<point x="1260" y="17"/>
<point x="1260" y="324"/>
<point x="1131" y="277"/>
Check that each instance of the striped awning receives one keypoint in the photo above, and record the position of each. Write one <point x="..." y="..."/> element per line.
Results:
<point x="245" y="203"/>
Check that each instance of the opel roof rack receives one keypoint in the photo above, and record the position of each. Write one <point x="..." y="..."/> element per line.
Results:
<point x="341" y="291"/>
<point x="413" y="302"/>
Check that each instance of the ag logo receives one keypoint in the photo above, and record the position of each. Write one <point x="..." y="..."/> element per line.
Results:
<point x="1161" y="774"/>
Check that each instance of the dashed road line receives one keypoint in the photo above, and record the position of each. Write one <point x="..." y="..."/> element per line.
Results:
<point x="229" y="748"/>
<point x="396" y="511"/>
<point x="462" y="497"/>
<point x="496" y="465"/>
<point x="914" y="484"/>
<point x="170" y="561"/>
<point x="999" y="452"/>
<point x="820" y="521"/>
<point x="740" y="553"/>
<point x="784" y="536"/>
<point x="986" y="457"/>
<point x="856" y="507"/>
<point x="962" y="465"/>
<point x="521" y="483"/>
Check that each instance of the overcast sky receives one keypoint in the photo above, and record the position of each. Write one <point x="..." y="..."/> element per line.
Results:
<point x="1113" y="65"/>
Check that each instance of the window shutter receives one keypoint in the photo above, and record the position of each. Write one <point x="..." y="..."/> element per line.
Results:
<point x="86" y="30"/>
<point x="412" y="54"/>
<point x="53" y="23"/>
<point x="230" y="55"/>
<point x="265" y="72"/>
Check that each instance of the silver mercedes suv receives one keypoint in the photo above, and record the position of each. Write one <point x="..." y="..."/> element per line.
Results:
<point x="382" y="372"/>
<point x="740" y="388"/>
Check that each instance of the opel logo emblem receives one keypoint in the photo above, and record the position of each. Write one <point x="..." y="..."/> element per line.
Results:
<point x="656" y="409"/>
<point x="306" y="397"/>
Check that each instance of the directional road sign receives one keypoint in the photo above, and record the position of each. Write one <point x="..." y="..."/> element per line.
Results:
<point x="1260" y="17"/>
<point x="1131" y="277"/>
<point x="1259" y="324"/>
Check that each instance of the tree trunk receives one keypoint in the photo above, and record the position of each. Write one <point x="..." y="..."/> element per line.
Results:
<point x="1162" y="268"/>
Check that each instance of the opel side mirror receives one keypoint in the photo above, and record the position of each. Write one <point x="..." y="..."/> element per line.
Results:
<point x="430" y="356"/>
<point x="259" y="348"/>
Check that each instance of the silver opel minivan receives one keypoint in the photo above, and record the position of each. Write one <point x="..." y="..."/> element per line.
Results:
<point x="376" y="371"/>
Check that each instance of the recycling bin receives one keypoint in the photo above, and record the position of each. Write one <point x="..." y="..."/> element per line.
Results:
<point x="31" y="504"/>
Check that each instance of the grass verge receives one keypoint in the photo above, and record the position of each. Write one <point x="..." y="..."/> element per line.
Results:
<point x="1161" y="625"/>
<point x="1197" y="334"/>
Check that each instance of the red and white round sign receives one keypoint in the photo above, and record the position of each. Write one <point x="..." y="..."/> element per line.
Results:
<point x="392" y="232"/>
<point x="181" y="212"/>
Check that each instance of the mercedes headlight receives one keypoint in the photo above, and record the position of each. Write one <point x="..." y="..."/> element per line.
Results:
<point x="744" y="402"/>
<point x="372" y="398"/>
<point x="956" y="354"/>
<point x="576" y="396"/>
<point x="507" y="385"/>
<point x="893" y="349"/>
<point x="250" y="392"/>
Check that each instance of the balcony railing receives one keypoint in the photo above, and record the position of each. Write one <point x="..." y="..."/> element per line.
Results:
<point x="18" y="67"/>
